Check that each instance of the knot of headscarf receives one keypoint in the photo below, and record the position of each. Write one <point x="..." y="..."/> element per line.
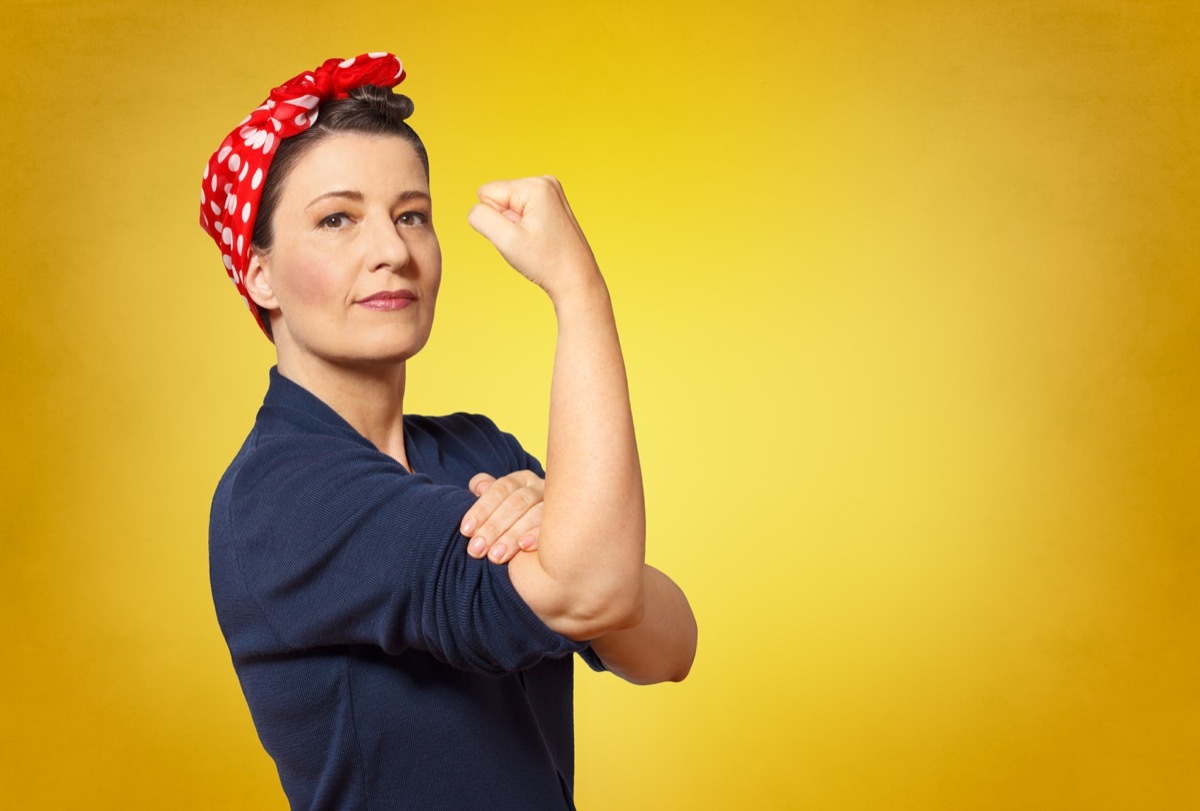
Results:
<point x="233" y="178"/>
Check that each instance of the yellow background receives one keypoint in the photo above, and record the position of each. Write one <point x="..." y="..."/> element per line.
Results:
<point x="908" y="294"/>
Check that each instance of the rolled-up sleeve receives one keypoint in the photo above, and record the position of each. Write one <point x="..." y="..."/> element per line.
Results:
<point x="335" y="544"/>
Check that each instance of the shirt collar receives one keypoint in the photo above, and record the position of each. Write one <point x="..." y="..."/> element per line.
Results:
<point x="287" y="399"/>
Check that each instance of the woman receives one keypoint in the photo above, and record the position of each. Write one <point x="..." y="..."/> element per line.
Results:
<point x="401" y="594"/>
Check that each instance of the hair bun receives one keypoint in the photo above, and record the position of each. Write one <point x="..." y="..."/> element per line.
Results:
<point x="395" y="107"/>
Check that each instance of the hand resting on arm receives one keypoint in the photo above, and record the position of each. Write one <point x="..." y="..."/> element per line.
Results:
<point x="506" y="518"/>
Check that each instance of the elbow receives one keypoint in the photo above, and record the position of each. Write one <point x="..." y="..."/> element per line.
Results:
<point x="677" y="664"/>
<point x="681" y="665"/>
<point x="644" y="680"/>
<point x="665" y="669"/>
<point x="684" y="667"/>
<point x="667" y="659"/>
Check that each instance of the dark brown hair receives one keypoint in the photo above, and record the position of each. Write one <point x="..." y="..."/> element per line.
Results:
<point x="369" y="110"/>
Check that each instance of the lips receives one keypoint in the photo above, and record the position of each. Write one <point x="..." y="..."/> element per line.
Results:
<point x="388" y="300"/>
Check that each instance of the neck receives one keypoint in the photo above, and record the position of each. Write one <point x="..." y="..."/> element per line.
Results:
<point x="369" y="397"/>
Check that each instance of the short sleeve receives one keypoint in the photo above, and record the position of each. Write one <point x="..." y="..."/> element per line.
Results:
<point x="336" y="544"/>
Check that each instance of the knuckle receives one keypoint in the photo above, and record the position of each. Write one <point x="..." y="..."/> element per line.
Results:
<point x="525" y="500"/>
<point x="528" y="519"/>
<point x="495" y="496"/>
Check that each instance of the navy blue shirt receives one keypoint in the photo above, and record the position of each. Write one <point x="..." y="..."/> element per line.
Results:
<point x="383" y="666"/>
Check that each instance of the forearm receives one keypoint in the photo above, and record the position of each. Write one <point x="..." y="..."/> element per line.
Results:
<point x="663" y="645"/>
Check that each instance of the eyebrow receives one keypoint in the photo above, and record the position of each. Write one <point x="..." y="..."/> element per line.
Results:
<point x="357" y="196"/>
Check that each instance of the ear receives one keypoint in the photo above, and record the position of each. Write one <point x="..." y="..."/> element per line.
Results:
<point x="258" y="282"/>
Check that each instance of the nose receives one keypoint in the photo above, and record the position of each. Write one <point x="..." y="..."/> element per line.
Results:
<point x="386" y="247"/>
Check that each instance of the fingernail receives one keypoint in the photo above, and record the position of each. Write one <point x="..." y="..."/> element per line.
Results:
<point x="468" y="526"/>
<point x="497" y="553"/>
<point x="476" y="547"/>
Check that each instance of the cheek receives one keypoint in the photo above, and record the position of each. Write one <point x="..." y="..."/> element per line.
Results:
<point x="435" y="272"/>
<point x="310" y="284"/>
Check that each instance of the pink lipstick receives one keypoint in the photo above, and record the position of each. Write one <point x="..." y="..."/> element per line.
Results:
<point x="387" y="300"/>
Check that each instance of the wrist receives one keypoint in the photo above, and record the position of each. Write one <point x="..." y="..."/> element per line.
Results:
<point x="584" y="289"/>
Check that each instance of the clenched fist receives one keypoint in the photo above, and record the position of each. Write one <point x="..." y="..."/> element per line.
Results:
<point x="531" y="224"/>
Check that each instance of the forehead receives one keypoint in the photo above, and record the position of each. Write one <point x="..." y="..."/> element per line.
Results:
<point x="383" y="165"/>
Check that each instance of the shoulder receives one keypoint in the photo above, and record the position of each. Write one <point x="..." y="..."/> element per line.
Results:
<point x="472" y="437"/>
<point x="282" y="481"/>
<point x="460" y="426"/>
<point x="287" y="459"/>
<point x="296" y="437"/>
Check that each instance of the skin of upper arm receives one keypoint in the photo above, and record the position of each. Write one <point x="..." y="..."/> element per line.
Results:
<point x="577" y="615"/>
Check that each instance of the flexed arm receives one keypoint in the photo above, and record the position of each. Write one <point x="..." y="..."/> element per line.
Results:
<point x="588" y="578"/>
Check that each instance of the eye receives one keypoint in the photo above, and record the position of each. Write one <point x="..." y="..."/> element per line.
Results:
<point x="413" y="218"/>
<point x="335" y="221"/>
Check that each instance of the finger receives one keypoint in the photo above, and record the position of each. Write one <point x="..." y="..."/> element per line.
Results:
<point x="522" y="535"/>
<point x="492" y="497"/>
<point x="507" y="210"/>
<point x="502" y="519"/>
<point x="529" y="541"/>
<point x="480" y="482"/>
<point x="502" y="194"/>
<point x="516" y="538"/>
<point x="524" y="489"/>
<point x="495" y="506"/>
<point x="495" y="227"/>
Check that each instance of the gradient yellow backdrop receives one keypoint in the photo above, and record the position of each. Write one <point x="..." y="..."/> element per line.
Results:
<point x="909" y="297"/>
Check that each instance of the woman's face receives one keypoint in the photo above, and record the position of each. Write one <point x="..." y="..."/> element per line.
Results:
<point x="353" y="274"/>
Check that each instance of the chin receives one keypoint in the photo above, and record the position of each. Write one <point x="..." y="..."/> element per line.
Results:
<point x="392" y="350"/>
<point x="359" y="348"/>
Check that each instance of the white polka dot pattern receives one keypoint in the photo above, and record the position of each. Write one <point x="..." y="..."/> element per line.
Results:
<point x="243" y="160"/>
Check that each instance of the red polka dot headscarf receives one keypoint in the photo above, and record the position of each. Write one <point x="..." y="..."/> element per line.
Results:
<point x="233" y="178"/>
